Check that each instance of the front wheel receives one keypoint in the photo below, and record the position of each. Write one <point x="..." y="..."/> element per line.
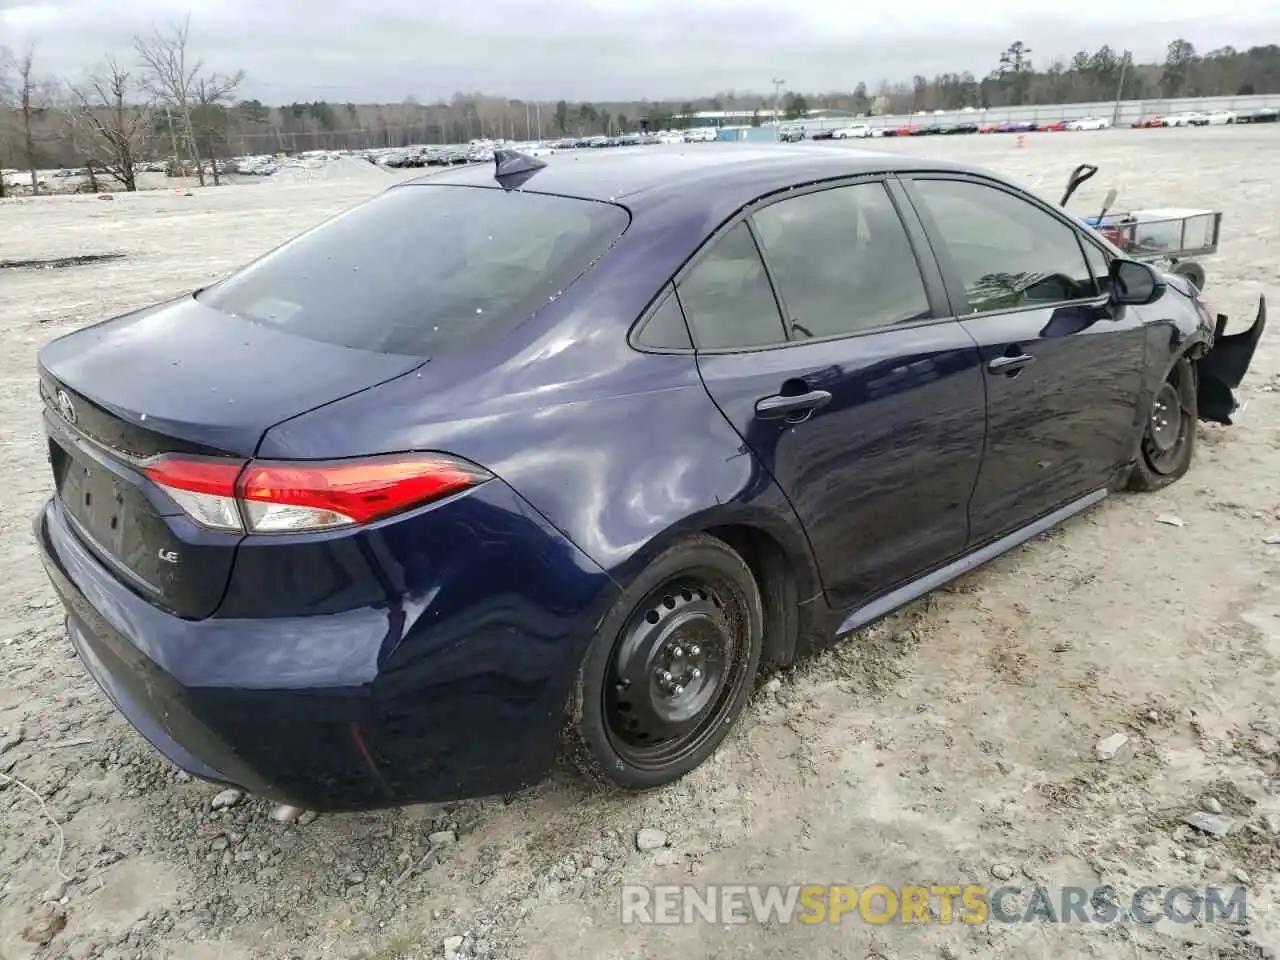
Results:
<point x="671" y="667"/>
<point x="1169" y="435"/>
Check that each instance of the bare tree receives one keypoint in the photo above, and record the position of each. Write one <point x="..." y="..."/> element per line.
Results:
<point x="75" y="134"/>
<point x="170" y="76"/>
<point x="213" y="94"/>
<point x="6" y="98"/>
<point x="112" y="129"/>
<point x="32" y="96"/>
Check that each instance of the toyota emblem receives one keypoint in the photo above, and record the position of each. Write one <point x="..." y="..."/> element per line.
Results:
<point x="66" y="407"/>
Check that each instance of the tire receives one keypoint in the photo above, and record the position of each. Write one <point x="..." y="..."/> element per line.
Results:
<point x="1167" y="445"/>
<point x="670" y="668"/>
<point x="1192" y="271"/>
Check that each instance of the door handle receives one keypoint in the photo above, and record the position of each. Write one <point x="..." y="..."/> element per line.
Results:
<point x="781" y="405"/>
<point x="1008" y="365"/>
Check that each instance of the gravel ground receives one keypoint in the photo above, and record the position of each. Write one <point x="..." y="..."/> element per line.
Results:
<point x="952" y="743"/>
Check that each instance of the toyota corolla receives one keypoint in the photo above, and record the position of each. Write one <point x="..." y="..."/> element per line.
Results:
<point x="556" y="454"/>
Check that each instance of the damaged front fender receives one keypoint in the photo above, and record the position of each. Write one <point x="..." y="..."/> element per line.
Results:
<point x="1222" y="368"/>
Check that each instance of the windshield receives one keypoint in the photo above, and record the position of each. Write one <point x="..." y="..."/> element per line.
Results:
<point x="423" y="269"/>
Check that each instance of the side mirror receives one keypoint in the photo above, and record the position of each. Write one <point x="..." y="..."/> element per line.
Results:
<point x="1134" y="283"/>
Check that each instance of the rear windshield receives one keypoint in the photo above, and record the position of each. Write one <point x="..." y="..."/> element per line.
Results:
<point x="423" y="269"/>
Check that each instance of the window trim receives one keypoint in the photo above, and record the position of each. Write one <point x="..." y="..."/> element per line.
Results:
<point x="951" y="274"/>
<point x="931" y="274"/>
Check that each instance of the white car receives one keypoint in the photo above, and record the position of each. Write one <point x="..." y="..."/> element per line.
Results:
<point x="22" y="178"/>
<point x="701" y="135"/>
<point x="1189" y="118"/>
<point x="1088" y="123"/>
<point x="1217" y="117"/>
<point x="535" y="149"/>
<point x="854" y="130"/>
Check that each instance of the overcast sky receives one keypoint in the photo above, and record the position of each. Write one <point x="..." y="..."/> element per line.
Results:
<point x="384" y="50"/>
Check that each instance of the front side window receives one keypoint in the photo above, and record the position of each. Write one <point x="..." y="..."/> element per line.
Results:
<point x="1008" y="252"/>
<point x="727" y="298"/>
<point x="841" y="261"/>
<point x="423" y="269"/>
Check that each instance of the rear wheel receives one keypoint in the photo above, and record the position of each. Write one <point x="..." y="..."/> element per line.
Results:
<point x="671" y="667"/>
<point x="1169" y="436"/>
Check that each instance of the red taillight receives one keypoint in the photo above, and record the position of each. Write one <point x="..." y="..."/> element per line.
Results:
<point x="283" y="497"/>
<point x="204" y="488"/>
<point x="299" y="496"/>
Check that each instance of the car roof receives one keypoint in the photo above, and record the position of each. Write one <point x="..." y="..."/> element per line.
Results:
<point x="710" y="175"/>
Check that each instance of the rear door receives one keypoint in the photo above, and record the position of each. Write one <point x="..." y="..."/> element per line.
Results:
<point x="1063" y="368"/>
<point x="839" y="366"/>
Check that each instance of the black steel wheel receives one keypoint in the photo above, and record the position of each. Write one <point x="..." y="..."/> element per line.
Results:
<point x="671" y="668"/>
<point x="1169" y="434"/>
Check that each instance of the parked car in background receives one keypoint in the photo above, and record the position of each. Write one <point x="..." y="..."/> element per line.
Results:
<point x="1088" y="123"/>
<point x="1217" y="117"/>
<point x="378" y="517"/>
<point x="822" y="135"/>
<point x="853" y="131"/>
<point x="791" y="134"/>
<point x="22" y="178"/>
<point x="1265" y="115"/>
<point x="1148" y="123"/>
<point x="701" y="135"/>
<point x="1187" y="118"/>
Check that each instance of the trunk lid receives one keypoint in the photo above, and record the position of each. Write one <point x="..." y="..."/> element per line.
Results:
<point x="176" y="378"/>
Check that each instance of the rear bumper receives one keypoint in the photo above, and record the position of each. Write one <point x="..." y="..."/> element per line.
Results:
<point x="376" y="707"/>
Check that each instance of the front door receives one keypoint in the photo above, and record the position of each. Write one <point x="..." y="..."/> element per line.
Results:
<point x="840" y="369"/>
<point x="1063" y="368"/>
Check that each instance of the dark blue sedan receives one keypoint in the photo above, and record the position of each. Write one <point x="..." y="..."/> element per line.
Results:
<point x="558" y="453"/>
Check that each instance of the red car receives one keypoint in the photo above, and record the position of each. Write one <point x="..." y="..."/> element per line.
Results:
<point x="1147" y="122"/>
<point x="1056" y="125"/>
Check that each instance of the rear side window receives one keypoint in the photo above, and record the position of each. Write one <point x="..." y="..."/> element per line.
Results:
<point x="424" y="269"/>
<point x="1009" y="253"/>
<point x="665" y="329"/>
<point x="842" y="261"/>
<point x="727" y="298"/>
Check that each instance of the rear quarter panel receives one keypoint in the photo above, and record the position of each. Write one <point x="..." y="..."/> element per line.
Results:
<point x="619" y="450"/>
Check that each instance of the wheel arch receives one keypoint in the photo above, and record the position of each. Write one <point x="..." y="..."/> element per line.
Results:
<point x="779" y="558"/>
<point x="1158" y="368"/>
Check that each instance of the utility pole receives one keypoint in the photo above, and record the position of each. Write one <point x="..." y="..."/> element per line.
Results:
<point x="538" y="110"/>
<point x="777" y="91"/>
<point x="1124" y="65"/>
